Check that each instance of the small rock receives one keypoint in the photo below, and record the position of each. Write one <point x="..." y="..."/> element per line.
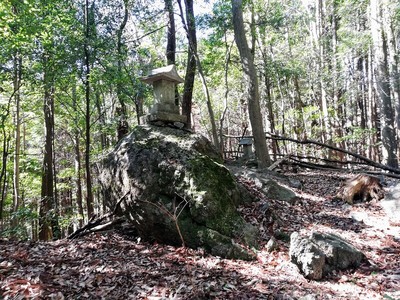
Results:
<point x="179" y="125"/>
<point x="321" y="253"/>
<point x="306" y="256"/>
<point x="295" y="183"/>
<point x="271" y="245"/>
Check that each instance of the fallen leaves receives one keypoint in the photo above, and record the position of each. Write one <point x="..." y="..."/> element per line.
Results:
<point x="109" y="266"/>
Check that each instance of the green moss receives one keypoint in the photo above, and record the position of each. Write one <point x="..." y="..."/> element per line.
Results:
<point x="214" y="187"/>
<point x="173" y="167"/>
<point x="212" y="241"/>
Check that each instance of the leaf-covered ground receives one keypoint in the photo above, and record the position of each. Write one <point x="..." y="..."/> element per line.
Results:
<point x="109" y="266"/>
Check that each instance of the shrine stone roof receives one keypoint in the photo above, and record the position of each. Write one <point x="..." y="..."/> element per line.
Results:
<point x="165" y="73"/>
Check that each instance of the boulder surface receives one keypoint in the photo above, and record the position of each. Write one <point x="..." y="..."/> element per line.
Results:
<point x="321" y="253"/>
<point x="172" y="186"/>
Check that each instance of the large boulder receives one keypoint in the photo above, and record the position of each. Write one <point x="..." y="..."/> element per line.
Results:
<point x="172" y="186"/>
<point x="321" y="253"/>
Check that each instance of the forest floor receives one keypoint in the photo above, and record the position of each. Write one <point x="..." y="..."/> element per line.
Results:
<point x="111" y="266"/>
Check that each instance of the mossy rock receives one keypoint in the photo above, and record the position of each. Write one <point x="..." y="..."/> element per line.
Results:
<point x="175" y="179"/>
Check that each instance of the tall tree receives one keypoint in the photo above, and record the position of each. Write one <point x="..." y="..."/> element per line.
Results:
<point x="122" y="111"/>
<point x="17" y="77"/>
<point x="47" y="207"/>
<point x="6" y="137"/>
<point x="171" y="33"/>
<point x="383" y="83"/>
<point x="190" y="29"/>
<point x="191" y="62"/>
<point x="171" y="41"/>
<point x="17" y="65"/>
<point x="89" y="189"/>
<point x="253" y="96"/>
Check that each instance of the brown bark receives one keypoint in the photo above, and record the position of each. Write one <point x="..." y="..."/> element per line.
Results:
<point x="6" y="137"/>
<point x="89" y="192"/>
<point x="171" y="39"/>
<point x="253" y="97"/>
<point x="187" y="108"/>
<point x="47" y="190"/>
<point x="191" y="63"/>
<point x="389" y="151"/>
<point x="78" y="160"/>
<point x="123" y="126"/>
<point x="228" y="49"/>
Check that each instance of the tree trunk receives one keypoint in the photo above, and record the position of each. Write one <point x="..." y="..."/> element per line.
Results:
<point x="47" y="190"/>
<point x="228" y="49"/>
<point x="191" y="34"/>
<point x="171" y="41"/>
<point x="123" y="127"/>
<point x="17" y="62"/>
<point x="5" y="151"/>
<point x="89" y="192"/>
<point x="320" y="24"/>
<point x="191" y="63"/>
<point x="373" y="121"/>
<point x="253" y="97"/>
<point x="379" y="36"/>
<point x="78" y="162"/>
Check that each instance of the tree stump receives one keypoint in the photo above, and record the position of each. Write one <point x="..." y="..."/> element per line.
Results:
<point x="361" y="188"/>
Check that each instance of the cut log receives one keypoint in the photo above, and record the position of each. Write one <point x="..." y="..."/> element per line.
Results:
<point x="361" y="188"/>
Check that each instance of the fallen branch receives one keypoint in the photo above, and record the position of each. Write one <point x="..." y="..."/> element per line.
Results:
<point x="326" y="160"/>
<point x="358" y="156"/>
<point x="96" y="223"/>
<point x="310" y="165"/>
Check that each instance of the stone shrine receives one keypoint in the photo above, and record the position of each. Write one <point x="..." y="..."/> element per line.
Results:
<point x="164" y="107"/>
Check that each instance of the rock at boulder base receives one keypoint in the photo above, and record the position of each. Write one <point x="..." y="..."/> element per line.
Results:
<point x="306" y="256"/>
<point x="266" y="183"/>
<point x="321" y="253"/>
<point x="175" y="181"/>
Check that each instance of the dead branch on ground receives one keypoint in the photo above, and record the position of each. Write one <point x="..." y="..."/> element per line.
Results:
<point x="358" y="156"/>
<point x="100" y="223"/>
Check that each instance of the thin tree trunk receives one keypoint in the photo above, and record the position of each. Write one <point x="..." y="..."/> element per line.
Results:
<point x="373" y="119"/>
<point x="89" y="192"/>
<point x="190" y="27"/>
<point x="56" y="207"/>
<point x="326" y="128"/>
<point x="187" y="107"/>
<point x="228" y="49"/>
<point x="78" y="161"/>
<point x="171" y="40"/>
<point x="17" y="61"/>
<point x="253" y="97"/>
<point x="47" y="190"/>
<point x="389" y="142"/>
<point x="123" y="127"/>
<point x="3" y="173"/>
<point x="5" y="152"/>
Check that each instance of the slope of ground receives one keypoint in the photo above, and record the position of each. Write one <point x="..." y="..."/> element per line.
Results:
<point x="109" y="266"/>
